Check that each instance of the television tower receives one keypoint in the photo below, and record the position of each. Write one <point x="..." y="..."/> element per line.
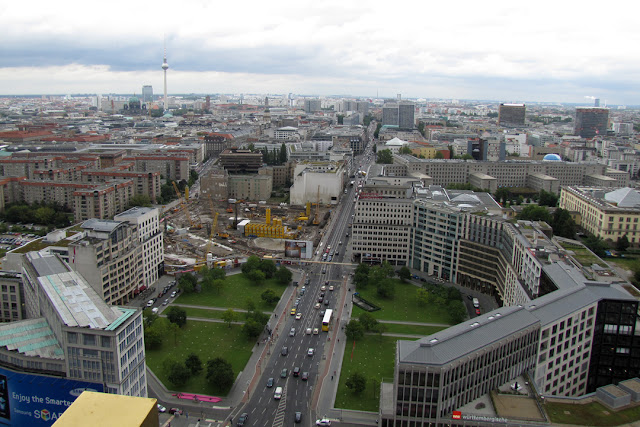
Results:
<point x="165" y="67"/>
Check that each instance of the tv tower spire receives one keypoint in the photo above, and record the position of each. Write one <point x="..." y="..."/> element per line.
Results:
<point x="165" y="67"/>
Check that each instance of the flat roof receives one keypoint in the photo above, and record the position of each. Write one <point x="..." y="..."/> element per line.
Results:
<point x="75" y="301"/>
<point x="105" y="410"/>
<point x="32" y="337"/>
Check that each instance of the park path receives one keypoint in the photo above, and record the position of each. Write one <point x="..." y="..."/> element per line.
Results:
<point x="205" y="307"/>
<point x="400" y="322"/>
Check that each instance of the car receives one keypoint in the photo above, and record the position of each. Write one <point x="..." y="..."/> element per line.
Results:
<point x="326" y="282"/>
<point x="297" y="417"/>
<point x="310" y="351"/>
<point x="322" y="313"/>
<point x="326" y="302"/>
<point x="470" y="297"/>
<point x="292" y="332"/>
<point x="175" y="411"/>
<point x="285" y="351"/>
<point x="154" y="310"/>
<point x="296" y="371"/>
<point x="324" y="270"/>
<point x="242" y="419"/>
<point x="173" y="294"/>
<point x="347" y="234"/>
<point x="317" y="305"/>
<point x="322" y="294"/>
<point x="315" y="331"/>
<point x="330" y="258"/>
<point x="283" y="374"/>
<point x="331" y="287"/>
<point x="323" y="422"/>
<point x="161" y="408"/>
<point x="323" y="288"/>
<point x="305" y="376"/>
<point x="165" y="302"/>
<point x="298" y="316"/>
<point x="270" y="382"/>
<point x="321" y="298"/>
<point x="308" y="331"/>
<point x="150" y="303"/>
<point x="293" y="311"/>
<point x="478" y="313"/>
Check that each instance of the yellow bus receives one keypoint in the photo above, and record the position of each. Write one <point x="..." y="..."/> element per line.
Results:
<point x="326" y="320"/>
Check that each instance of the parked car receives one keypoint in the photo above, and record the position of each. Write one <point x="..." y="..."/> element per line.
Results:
<point x="150" y="303"/>
<point x="323" y="422"/>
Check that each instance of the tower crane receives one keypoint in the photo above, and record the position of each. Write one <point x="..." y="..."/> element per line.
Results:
<point x="185" y="208"/>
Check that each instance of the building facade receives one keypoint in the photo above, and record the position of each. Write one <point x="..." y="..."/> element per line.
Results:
<point x="511" y="114"/>
<point x="591" y="121"/>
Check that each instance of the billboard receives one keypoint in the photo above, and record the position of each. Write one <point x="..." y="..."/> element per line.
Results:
<point x="37" y="400"/>
<point x="298" y="249"/>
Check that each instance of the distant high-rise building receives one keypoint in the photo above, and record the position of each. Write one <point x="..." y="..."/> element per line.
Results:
<point x="511" y="114"/>
<point x="147" y="93"/>
<point x="591" y="121"/>
<point x="406" y="115"/>
<point x="207" y="103"/>
<point x="165" y="67"/>
<point x="596" y="102"/>
<point x="363" y="107"/>
<point x="312" y="105"/>
<point x="390" y="114"/>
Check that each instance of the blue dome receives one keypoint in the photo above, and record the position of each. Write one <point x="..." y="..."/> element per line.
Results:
<point x="552" y="158"/>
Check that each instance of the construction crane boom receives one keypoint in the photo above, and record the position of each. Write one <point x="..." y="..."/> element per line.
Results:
<point x="185" y="208"/>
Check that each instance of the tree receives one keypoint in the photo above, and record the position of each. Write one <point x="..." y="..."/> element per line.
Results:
<point x="217" y="274"/>
<point x="502" y="194"/>
<point x="140" y="200"/>
<point x="220" y="373"/>
<point x="457" y="311"/>
<point x="354" y="330"/>
<point x="193" y="363"/>
<point x="386" y="288"/>
<point x="361" y="276"/>
<point x="250" y="304"/>
<point x="178" y="374"/>
<point x="256" y="276"/>
<point x="356" y="382"/>
<point x="268" y="267"/>
<point x="270" y="297"/>
<point x="148" y="317"/>
<point x="253" y="263"/>
<point x="229" y="316"/>
<point x="404" y="274"/>
<point x="596" y="245"/>
<point x="438" y="155"/>
<point x="283" y="154"/>
<point x="384" y="156"/>
<point x="177" y="315"/>
<point x="546" y="198"/>
<point x="422" y="297"/>
<point x="217" y="286"/>
<point x="562" y="223"/>
<point x="251" y="328"/>
<point x="152" y="338"/>
<point x="622" y="243"/>
<point x="376" y="133"/>
<point x="405" y="150"/>
<point x="535" y="213"/>
<point x="283" y="275"/>
<point x="187" y="283"/>
<point x="367" y="321"/>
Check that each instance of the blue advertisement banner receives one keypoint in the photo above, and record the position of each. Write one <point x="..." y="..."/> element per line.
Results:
<point x="37" y="400"/>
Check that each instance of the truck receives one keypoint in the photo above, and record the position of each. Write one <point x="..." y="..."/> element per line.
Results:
<point x="476" y="303"/>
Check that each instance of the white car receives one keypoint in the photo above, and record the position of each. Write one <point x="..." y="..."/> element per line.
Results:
<point x="331" y="287"/>
<point x="310" y="352"/>
<point x="149" y="303"/>
<point x="323" y="422"/>
<point x="317" y="305"/>
<point x="323" y="288"/>
<point x="161" y="408"/>
<point x="308" y="331"/>
<point x="315" y="331"/>
<point x="298" y="316"/>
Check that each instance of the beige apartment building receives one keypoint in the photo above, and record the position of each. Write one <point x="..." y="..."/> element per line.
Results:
<point x="609" y="214"/>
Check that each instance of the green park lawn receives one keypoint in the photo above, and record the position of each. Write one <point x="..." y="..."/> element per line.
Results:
<point x="403" y="306"/>
<point x="205" y="313"/>
<point x="236" y="291"/>
<point x="591" y="414"/>
<point x="398" y="328"/>
<point x="374" y="357"/>
<point x="208" y="340"/>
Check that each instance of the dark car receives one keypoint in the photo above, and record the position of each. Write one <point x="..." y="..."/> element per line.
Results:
<point x="296" y="371"/>
<point x="283" y="374"/>
<point x="176" y="411"/>
<point x="285" y="351"/>
<point x="305" y="376"/>
<point x="320" y="299"/>
<point x="470" y="296"/>
<point x="297" y="417"/>
<point x="270" y="382"/>
<point x="242" y="419"/>
<point x="326" y="302"/>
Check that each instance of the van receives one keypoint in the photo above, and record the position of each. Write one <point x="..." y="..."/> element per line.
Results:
<point x="476" y="303"/>
<point x="278" y="393"/>
<point x="154" y="310"/>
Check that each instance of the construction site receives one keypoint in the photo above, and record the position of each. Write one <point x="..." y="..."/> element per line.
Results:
<point x="221" y="233"/>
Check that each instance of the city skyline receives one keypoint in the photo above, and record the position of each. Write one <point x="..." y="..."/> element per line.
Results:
<point x="503" y="51"/>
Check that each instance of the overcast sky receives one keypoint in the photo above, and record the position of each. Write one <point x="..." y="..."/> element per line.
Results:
<point x="509" y="51"/>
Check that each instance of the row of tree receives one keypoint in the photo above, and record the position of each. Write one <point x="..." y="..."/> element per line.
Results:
<point x="49" y="214"/>
<point x="219" y="373"/>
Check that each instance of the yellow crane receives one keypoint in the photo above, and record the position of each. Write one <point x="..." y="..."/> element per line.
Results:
<point x="316" y="220"/>
<point x="185" y="208"/>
